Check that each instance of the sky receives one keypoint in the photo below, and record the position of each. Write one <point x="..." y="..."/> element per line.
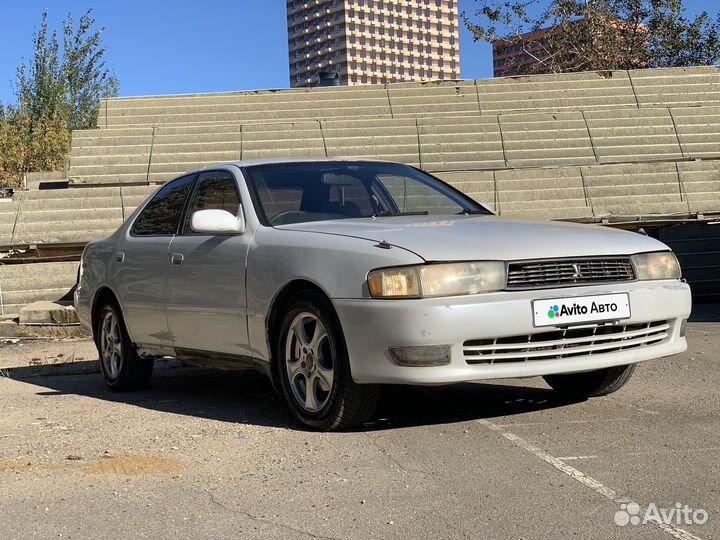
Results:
<point x="186" y="46"/>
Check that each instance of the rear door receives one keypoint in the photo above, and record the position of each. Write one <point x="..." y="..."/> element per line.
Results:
<point x="140" y="264"/>
<point x="207" y="311"/>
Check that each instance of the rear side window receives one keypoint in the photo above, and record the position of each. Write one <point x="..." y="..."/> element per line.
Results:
<point x="162" y="214"/>
<point x="216" y="190"/>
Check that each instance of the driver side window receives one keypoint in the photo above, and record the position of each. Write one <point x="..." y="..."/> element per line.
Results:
<point x="215" y="190"/>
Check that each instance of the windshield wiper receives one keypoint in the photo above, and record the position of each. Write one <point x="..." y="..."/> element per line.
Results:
<point x="470" y="212"/>
<point x="386" y="213"/>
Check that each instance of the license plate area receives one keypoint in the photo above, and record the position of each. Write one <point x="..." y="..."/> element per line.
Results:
<point x="581" y="309"/>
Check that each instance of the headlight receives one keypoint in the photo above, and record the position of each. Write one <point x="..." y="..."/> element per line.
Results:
<point x="659" y="265"/>
<point x="431" y="280"/>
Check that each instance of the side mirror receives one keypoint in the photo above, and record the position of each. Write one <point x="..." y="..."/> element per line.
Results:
<point x="218" y="222"/>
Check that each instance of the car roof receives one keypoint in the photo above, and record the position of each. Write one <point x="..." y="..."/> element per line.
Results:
<point x="276" y="161"/>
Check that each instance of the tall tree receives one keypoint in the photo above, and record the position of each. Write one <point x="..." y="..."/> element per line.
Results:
<point x="580" y="35"/>
<point x="66" y="84"/>
<point x="58" y="89"/>
<point x="40" y="87"/>
<point x="86" y="77"/>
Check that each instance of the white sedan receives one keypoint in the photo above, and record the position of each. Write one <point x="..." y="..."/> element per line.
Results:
<point x="336" y="276"/>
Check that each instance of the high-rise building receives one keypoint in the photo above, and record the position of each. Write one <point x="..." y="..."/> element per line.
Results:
<point x="528" y="53"/>
<point x="520" y="55"/>
<point x="373" y="41"/>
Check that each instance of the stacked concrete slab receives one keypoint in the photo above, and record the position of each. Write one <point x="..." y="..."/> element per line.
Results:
<point x="607" y="146"/>
<point x="540" y="121"/>
<point x="22" y="284"/>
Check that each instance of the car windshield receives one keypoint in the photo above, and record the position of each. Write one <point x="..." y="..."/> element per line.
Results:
<point x="314" y="191"/>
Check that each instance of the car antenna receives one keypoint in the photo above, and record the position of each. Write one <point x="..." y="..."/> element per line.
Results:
<point x="383" y="244"/>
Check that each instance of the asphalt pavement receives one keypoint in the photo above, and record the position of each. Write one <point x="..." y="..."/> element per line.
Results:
<point x="205" y="453"/>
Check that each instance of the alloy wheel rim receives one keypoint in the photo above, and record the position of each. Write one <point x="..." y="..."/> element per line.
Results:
<point x="309" y="361"/>
<point x="111" y="345"/>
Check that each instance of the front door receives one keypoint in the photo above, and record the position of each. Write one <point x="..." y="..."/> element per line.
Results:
<point x="140" y="265"/>
<point x="205" y="283"/>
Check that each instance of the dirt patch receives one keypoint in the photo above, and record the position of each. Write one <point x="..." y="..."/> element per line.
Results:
<point x="135" y="465"/>
<point x="126" y="465"/>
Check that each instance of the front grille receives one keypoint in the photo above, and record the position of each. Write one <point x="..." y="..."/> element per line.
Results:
<point x="579" y="341"/>
<point x="538" y="274"/>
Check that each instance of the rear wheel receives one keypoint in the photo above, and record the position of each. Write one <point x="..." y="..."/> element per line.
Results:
<point x="591" y="383"/>
<point x="122" y="368"/>
<point x="314" y="367"/>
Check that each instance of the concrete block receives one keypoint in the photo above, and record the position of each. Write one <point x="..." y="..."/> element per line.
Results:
<point x="634" y="189"/>
<point x="546" y="139"/>
<point x="478" y="185"/>
<point x="569" y="91"/>
<point x="48" y="313"/>
<point x="295" y="139"/>
<point x="392" y="139"/>
<point x="700" y="181"/>
<point x="472" y="142"/>
<point x="8" y="329"/>
<point x="11" y="271"/>
<point x="542" y="193"/>
<point x="699" y="131"/>
<point x="633" y="135"/>
<point x="690" y="86"/>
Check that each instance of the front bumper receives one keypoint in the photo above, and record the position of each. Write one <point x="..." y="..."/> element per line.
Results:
<point x="372" y="326"/>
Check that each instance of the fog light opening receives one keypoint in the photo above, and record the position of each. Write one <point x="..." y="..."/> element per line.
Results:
<point x="421" y="356"/>
<point x="683" y="327"/>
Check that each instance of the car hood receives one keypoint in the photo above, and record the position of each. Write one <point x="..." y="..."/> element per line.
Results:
<point x="449" y="238"/>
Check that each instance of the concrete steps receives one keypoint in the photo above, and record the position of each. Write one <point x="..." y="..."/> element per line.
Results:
<point x="390" y="139"/>
<point x="547" y="139"/>
<point x="698" y="130"/>
<point x="45" y="179"/>
<point x="8" y="215"/>
<point x="637" y="189"/>
<point x="700" y="182"/>
<point x="672" y="87"/>
<point x="73" y="215"/>
<point x="22" y="284"/>
<point x="543" y="193"/>
<point x="466" y="143"/>
<point x="634" y="135"/>
<point x="572" y="91"/>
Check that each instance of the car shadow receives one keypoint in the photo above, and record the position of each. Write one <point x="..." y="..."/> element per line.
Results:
<point x="248" y="397"/>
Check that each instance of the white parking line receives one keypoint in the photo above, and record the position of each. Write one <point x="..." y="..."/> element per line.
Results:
<point x="569" y="458"/>
<point x="581" y="477"/>
<point x="593" y="421"/>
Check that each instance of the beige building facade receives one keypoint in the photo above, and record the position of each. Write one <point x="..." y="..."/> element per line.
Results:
<point x="373" y="41"/>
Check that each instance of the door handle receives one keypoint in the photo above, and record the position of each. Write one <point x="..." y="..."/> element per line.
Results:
<point x="177" y="259"/>
<point x="120" y="256"/>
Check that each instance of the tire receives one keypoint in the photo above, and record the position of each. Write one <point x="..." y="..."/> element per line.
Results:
<point x="311" y="347"/>
<point x="591" y="383"/>
<point x="123" y="369"/>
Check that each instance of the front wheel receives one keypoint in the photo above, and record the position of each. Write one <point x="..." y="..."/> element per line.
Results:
<point x="122" y="368"/>
<point x="591" y="383"/>
<point x="314" y="367"/>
